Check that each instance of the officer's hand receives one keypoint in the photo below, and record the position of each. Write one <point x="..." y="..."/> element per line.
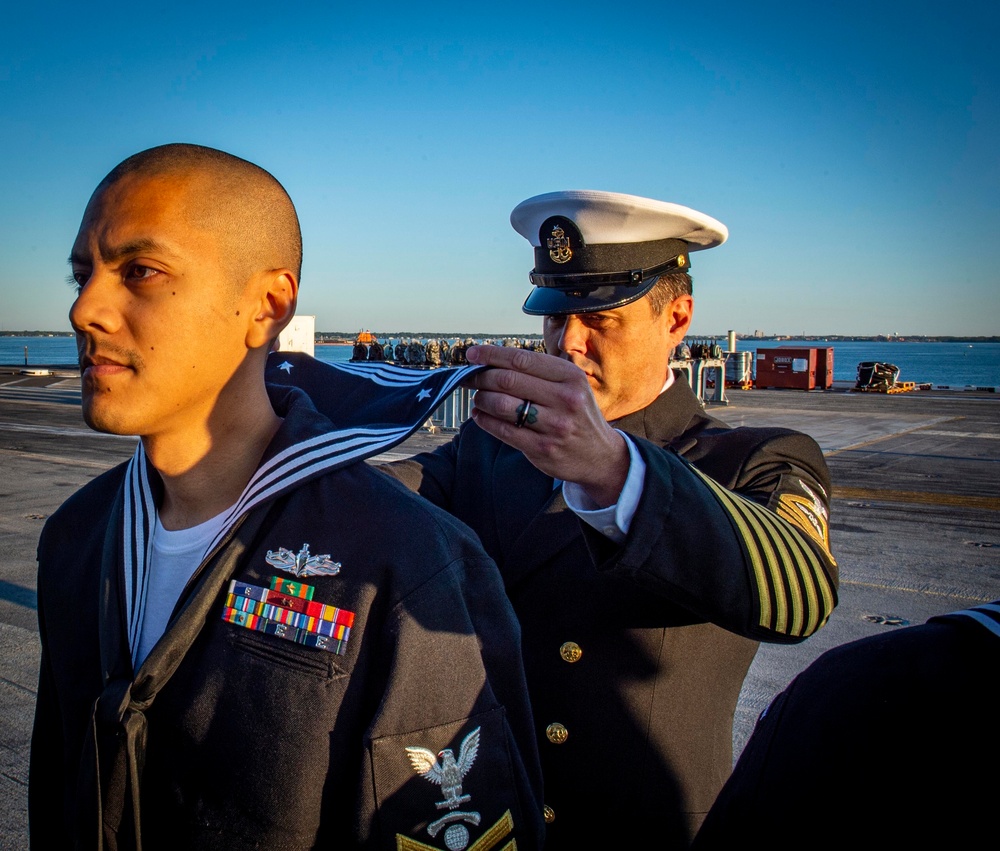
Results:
<point x="563" y="432"/>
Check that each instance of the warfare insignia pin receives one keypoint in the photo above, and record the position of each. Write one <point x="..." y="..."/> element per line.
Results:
<point x="558" y="245"/>
<point x="302" y="563"/>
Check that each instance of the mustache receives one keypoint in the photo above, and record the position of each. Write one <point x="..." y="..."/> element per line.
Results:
<point x="90" y="350"/>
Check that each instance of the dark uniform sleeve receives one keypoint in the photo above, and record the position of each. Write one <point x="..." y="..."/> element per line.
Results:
<point x="738" y="534"/>
<point x="901" y="719"/>
<point x="47" y="784"/>
<point x="451" y="752"/>
<point x="735" y="530"/>
<point x="66" y="677"/>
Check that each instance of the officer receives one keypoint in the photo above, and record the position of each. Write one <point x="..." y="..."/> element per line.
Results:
<point x="646" y="546"/>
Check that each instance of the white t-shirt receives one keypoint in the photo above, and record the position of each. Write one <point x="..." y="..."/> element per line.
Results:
<point x="175" y="556"/>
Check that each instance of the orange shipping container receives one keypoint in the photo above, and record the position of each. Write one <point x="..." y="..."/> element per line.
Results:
<point x="787" y="368"/>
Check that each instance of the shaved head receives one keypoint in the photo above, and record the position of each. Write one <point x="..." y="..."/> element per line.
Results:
<point x="238" y="201"/>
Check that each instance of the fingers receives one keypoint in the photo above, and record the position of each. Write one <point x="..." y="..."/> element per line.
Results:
<point x="527" y="437"/>
<point x="520" y="360"/>
<point x="518" y="412"/>
<point x="526" y="414"/>
<point x="590" y="453"/>
<point x="522" y="373"/>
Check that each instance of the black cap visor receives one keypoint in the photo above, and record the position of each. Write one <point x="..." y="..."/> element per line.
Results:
<point x="594" y="291"/>
<point x="549" y="301"/>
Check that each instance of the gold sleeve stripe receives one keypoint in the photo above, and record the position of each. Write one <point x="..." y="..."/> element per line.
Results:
<point x="772" y="590"/>
<point x="779" y="597"/>
<point x="794" y="591"/>
<point x="814" y="573"/>
<point x="490" y="839"/>
<point x="803" y="562"/>
<point x="496" y="834"/>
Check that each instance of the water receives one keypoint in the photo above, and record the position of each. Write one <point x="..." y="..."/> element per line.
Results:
<point x="61" y="351"/>
<point x="956" y="364"/>
<point x="38" y="351"/>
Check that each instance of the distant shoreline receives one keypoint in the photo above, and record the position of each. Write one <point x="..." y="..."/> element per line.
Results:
<point x="337" y="338"/>
<point x="968" y="362"/>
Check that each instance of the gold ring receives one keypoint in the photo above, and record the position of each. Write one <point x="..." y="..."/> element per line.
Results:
<point x="522" y="413"/>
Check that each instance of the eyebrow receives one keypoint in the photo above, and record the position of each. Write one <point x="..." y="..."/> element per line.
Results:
<point x="126" y="249"/>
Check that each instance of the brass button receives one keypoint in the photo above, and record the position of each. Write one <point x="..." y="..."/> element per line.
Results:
<point x="549" y="813"/>
<point x="556" y="733"/>
<point x="571" y="652"/>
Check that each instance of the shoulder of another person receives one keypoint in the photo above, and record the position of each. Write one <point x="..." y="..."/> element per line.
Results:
<point x="377" y="502"/>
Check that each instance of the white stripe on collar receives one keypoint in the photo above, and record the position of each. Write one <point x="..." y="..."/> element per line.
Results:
<point x="284" y="471"/>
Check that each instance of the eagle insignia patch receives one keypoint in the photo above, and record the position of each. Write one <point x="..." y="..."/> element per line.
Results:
<point x="448" y="771"/>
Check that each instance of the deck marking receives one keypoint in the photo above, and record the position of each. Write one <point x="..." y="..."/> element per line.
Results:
<point x="989" y="503"/>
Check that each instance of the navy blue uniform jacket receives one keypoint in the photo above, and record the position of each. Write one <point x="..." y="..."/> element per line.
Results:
<point x="256" y="741"/>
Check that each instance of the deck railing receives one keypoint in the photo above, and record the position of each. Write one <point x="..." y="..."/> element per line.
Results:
<point x="706" y="376"/>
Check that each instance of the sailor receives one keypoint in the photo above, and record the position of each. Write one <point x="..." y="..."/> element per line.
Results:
<point x="433" y="352"/>
<point x="647" y="547"/>
<point x="416" y="353"/>
<point x="457" y="357"/>
<point x="247" y="638"/>
<point x="902" y="718"/>
<point x="375" y="351"/>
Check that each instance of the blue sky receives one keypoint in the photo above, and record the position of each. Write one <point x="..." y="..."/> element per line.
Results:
<point x="850" y="148"/>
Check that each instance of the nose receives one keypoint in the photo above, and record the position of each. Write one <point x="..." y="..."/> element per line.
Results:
<point x="94" y="308"/>
<point x="573" y="336"/>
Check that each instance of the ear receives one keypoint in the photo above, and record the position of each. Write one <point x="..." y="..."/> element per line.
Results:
<point x="679" y="314"/>
<point x="278" y="291"/>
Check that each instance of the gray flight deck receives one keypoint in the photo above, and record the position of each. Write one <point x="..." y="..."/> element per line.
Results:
<point x="915" y="523"/>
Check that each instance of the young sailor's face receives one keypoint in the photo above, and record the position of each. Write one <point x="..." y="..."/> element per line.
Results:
<point x="160" y="325"/>
<point x="625" y="351"/>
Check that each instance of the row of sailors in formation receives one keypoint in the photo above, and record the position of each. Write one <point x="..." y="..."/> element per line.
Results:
<point x="433" y="352"/>
<point x="436" y="352"/>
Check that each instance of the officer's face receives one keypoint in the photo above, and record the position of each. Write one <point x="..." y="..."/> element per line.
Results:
<point x="160" y="324"/>
<point x="624" y="352"/>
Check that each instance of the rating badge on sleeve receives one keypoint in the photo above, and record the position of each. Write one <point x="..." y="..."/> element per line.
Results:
<point x="448" y="771"/>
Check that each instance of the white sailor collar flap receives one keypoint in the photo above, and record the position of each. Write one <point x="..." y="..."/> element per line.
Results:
<point x="371" y="419"/>
<point x="371" y="395"/>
